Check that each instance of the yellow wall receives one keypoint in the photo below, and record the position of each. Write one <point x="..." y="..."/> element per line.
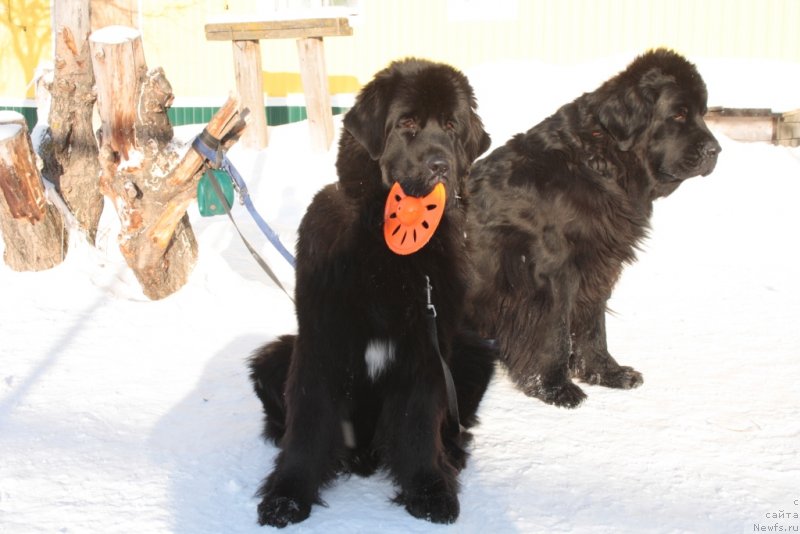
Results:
<point x="557" y="31"/>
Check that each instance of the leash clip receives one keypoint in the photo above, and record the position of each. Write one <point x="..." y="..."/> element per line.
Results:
<point x="428" y="288"/>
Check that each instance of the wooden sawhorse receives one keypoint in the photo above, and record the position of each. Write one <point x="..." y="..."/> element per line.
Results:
<point x="249" y="82"/>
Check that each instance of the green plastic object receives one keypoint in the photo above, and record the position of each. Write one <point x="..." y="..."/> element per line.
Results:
<point x="207" y="200"/>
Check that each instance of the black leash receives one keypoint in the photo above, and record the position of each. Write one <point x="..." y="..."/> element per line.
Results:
<point x="263" y="264"/>
<point x="452" y="399"/>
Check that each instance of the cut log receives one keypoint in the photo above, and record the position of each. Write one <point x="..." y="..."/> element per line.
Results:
<point x="33" y="230"/>
<point x="71" y="159"/>
<point x="118" y="62"/>
<point x="149" y="183"/>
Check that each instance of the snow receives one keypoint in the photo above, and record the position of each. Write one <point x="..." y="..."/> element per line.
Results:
<point x="9" y="130"/>
<point x="120" y="414"/>
<point x="114" y="35"/>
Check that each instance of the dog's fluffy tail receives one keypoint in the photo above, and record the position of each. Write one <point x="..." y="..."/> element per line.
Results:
<point x="269" y="367"/>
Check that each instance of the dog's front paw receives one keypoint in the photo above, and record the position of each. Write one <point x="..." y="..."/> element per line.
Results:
<point x="622" y="378"/>
<point x="564" y="394"/>
<point x="433" y="500"/>
<point x="279" y="511"/>
<point x="567" y="395"/>
<point x="610" y="375"/>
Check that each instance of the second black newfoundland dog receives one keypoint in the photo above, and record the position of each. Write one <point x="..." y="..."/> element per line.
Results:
<point x="557" y="211"/>
<point x="363" y="384"/>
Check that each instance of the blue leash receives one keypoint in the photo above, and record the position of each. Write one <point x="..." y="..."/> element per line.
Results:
<point x="210" y="148"/>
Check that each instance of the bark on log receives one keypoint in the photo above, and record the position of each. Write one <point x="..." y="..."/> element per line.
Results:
<point x="33" y="230"/>
<point x="148" y="181"/>
<point x="71" y="162"/>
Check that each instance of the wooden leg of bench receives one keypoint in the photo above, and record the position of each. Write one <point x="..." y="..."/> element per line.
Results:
<point x="315" y="87"/>
<point x="250" y="84"/>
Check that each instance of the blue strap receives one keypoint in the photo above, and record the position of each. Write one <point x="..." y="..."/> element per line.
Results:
<point x="209" y="147"/>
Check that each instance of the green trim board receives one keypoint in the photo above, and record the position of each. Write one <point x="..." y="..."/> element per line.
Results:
<point x="179" y="116"/>
<point x="276" y="115"/>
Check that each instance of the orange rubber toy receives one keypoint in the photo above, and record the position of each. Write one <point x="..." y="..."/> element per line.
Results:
<point x="409" y="222"/>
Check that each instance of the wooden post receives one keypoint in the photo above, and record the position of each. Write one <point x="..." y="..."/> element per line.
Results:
<point x="70" y="161"/>
<point x="315" y="88"/>
<point x="250" y="84"/>
<point x="33" y="230"/>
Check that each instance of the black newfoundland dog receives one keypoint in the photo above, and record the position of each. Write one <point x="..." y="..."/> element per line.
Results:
<point x="362" y="385"/>
<point x="558" y="211"/>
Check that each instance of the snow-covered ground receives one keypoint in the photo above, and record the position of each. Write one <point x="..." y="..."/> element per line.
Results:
<point x="118" y="414"/>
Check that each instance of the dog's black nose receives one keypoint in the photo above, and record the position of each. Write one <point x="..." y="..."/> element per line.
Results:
<point x="710" y="148"/>
<point x="438" y="166"/>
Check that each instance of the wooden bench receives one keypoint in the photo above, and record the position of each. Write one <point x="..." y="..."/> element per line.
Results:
<point x="247" y="66"/>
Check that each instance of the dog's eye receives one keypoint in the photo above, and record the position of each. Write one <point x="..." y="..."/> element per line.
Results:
<point x="407" y="122"/>
<point x="450" y="125"/>
<point x="681" y="114"/>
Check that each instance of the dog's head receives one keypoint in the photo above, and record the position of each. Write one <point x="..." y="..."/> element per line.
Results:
<point x="655" y="107"/>
<point x="417" y="119"/>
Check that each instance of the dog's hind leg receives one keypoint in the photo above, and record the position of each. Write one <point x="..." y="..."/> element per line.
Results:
<point x="590" y="360"/>
<point x="534" y="339"/>
<point x="269" y="367"/>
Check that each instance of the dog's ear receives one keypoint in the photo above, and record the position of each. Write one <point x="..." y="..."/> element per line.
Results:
<point x="626" y="110"/>
<point x="478" y="141"/>
<point x="624" y="115"/>
<point x="366" y="120"/>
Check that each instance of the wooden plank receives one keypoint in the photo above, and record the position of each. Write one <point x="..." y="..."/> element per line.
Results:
<point x="250" y="85"/>
<point x="739" y="112"/>
<point x="277" y="29"/>
<point x="315" y="88"/>
<point x="744" y="128"/>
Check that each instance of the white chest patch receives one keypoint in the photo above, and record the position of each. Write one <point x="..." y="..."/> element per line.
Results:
<point x="379" y="355"/>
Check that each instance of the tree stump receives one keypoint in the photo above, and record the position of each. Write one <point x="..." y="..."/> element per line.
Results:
<point x="33" y="230"/>
<point x="71" y="162"/>
<point x="148" y="181"/>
